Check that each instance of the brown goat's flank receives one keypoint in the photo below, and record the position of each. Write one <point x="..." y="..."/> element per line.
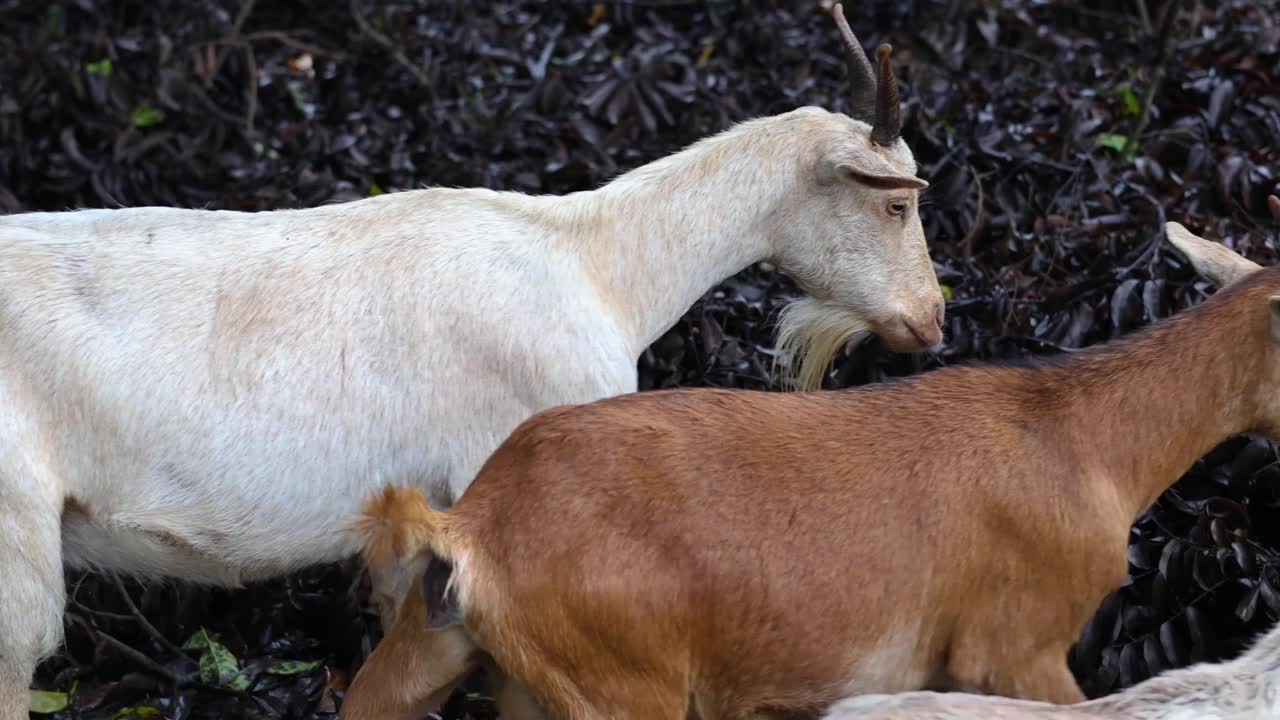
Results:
<point x="745" y="552"/>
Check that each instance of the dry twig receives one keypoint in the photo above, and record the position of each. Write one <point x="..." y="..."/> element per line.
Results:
<point x="389" y="46"/>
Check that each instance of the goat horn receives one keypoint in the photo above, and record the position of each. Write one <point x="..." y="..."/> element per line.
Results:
<point x="888" y="124"/>
<point x="1273" y="204"/>
<point x="862" y="78"/>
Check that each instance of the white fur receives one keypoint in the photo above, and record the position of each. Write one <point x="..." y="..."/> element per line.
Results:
<point x="213" y="394"/>
<point x="1247" y="688"/>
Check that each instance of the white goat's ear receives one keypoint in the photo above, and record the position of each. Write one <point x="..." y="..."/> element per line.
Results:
<point x="1213" y="261"/>
<point x="871" y="169"/>
<point x="1274" y="304"/>
<point x="882" y="178"/>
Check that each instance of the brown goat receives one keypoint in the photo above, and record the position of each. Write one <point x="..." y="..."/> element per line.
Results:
<point x="726" y="554"/>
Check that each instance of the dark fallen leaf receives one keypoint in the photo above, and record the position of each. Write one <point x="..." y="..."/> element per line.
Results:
<point x="1174" y="643"/>
<point x="1125" y="308"/>
<point x="1153" y="656"/>
<point x="1248" y="604"/>
<point x="1132" y="666"/>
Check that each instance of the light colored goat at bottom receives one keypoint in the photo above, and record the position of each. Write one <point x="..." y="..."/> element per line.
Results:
<point x="1246" y="688"/>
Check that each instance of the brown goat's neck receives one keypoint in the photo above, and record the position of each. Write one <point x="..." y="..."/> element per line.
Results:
<point x="1145" y="408"/>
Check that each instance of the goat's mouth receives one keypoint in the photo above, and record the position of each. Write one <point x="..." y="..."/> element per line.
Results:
<point x="907" y="335"/>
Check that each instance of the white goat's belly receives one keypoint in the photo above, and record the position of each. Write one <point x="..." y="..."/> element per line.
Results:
<point x="279" y="487"/>
<point x="274" y="536"/>
<point x="257" y="508"/>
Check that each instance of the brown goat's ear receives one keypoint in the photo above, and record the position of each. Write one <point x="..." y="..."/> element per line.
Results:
<point x="1213" y="261"/>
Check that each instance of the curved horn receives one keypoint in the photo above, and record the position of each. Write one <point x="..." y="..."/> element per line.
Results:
<point x="888" y="124"/>
<point x="862" y="78"/>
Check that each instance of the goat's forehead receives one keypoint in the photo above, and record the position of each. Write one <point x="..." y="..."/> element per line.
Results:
<point x="900" y="156"/>
<point x="855" y="137"/>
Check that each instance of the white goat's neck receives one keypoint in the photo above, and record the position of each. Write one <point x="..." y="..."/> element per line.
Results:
<point x="656" y="238"/>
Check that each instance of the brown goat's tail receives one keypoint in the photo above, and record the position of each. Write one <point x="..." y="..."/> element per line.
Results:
<point x="398" y="525"/>
<point x="404" y="541"/>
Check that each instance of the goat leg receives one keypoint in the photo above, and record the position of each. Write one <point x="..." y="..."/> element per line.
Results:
<point x="32" y="595"/>
<point x="1046" y="678"/>
<point x="413" y="670"/>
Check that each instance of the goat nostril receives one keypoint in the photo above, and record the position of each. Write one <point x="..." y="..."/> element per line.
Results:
<point x="921" y="338"/>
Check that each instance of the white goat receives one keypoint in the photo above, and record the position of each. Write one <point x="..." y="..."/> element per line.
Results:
<point x="1247" y="688"/>
<point x="211" y="395"/>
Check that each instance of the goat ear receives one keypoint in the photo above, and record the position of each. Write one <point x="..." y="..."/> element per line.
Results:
<point x="895" y="181"/>
<point x="1213" y="261"/>
<point x="867" y="167"/>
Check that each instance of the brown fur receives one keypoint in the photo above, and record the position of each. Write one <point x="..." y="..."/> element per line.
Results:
<point x="733" y="553"/>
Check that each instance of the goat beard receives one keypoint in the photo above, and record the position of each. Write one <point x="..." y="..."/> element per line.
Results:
<point x="811" y="333"/>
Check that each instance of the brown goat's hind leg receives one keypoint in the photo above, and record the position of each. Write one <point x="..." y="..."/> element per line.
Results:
<point x="619" y="696"/>
<point x="514" y="700"/>
<point x="413" y="670"/>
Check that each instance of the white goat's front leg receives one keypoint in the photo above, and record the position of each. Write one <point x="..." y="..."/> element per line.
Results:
<point x="32" y="595"/>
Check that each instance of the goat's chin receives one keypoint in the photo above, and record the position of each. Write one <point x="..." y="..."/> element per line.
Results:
<point x="811" y="333"/>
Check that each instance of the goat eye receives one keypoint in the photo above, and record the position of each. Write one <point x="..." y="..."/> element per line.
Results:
<point x="897" y="207"/>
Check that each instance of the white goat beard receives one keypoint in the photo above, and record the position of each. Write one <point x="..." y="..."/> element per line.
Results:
<point x="810" y="334"/>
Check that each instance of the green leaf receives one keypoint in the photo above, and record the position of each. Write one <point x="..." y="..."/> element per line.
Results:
<point x="947" y="292"/>
<point x="375" y="189"/>
<point x="1129" y="98"/>
<point x="198" y="641"/>
<point x="218" y="665"/>
<point x="239" y="682"/>
<point x="293" y="667"/>
<point x="1119" y="143"/>
<point x="45" y="702"/>
<point x="1115" y="141"/>
<point x="101" y="67"/>
<point x="139" y="711"/>
<point x="145" y="116"/>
